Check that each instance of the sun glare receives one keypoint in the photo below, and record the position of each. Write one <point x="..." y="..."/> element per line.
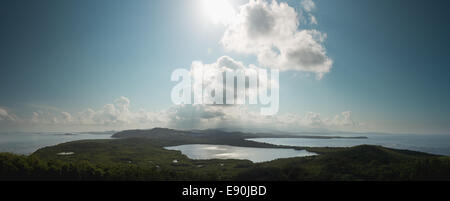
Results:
<point x="218" y="11"/>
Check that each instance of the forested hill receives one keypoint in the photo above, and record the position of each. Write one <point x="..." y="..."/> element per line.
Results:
<point x="216" y="136"/>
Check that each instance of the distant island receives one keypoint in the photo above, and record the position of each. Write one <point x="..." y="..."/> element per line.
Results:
<point x="140" y="155"/>
<point x="67" y="134"/>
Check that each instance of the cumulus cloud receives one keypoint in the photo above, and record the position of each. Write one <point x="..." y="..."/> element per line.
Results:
<point x="66" y="117"/>
<point x="312" y="120"/>
<point x="271" y="32"/>
<point x="312" y="19"/>
<point x="308" y="5"/>
<point x="202" y="78"/>
<point x="120" y="115"/>
<point x="116" y="115"/>
<point x="4" y="115"/>
<point x="342" y="120"/>
<point x="193" y="116"/>
<point x="239" y="116"/>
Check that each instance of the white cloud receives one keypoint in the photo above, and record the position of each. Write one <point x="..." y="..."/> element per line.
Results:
<point x="4" y="115"/>
<point x="117" y="115"/>
<point x="312" y="120"/>
<point x="344" y="120"/>
<point x="193" y="116"/>
<point x="312" y="19"/>
<point x="224" y="64"/>
<point x="120" y="116"/>
<point x="207" y="116"/>
<point x="66" y="117"/>
<point x="308" y="5"/>
<point x="271" y="32"/>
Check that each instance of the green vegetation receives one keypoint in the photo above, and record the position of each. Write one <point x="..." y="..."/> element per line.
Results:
<point x="139" y="155"/>
<point x="145" y="154"/>
<point x="356" y="163"/>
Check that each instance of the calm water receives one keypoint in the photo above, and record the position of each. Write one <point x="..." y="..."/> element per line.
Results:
<point x="27" y="143"/>
<point x="436" y="144"/>
<point x="202" y="151"/>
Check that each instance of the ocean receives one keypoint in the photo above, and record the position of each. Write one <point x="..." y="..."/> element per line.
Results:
<point x="429" y="143"/>
<point x="27" y="143"/>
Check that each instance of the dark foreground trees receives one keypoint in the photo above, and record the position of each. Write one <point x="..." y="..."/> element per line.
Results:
<point x="15" y="167"/>
<point x="358" y="163"/>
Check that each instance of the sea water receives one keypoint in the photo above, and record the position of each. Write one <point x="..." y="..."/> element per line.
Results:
<point x="27" y="143"/>
<point x="434" y="144"/>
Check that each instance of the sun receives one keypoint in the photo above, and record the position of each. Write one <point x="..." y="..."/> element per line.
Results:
<point x="219" y="11"/>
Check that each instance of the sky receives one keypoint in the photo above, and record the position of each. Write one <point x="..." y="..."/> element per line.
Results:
<point x="348" y="65"/>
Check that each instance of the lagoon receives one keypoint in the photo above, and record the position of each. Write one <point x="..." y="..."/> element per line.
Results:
<point x="256" y="155"/>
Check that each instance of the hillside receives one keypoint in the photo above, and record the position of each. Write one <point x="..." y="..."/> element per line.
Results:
<point x="139" y="155"/>
<point x="365" y="162"/>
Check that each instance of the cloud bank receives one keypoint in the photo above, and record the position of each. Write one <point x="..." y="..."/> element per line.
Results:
<point x="119" y="115"/>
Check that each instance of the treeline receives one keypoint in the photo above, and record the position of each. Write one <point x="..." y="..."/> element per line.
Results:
<point x="325" y="168"/>
<point x="420" y="170"/>
<point x="17" y="167"/>
<point x="359" y="163"/>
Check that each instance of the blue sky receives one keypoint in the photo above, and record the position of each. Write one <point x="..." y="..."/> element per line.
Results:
<point x="390" y="63"/>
